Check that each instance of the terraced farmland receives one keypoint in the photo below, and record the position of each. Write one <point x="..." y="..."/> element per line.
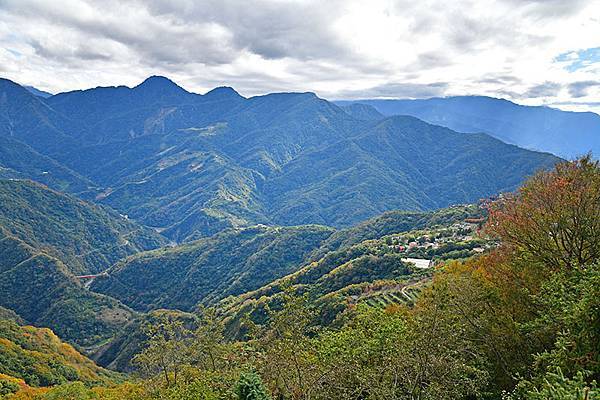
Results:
<point x="398" y="294"/>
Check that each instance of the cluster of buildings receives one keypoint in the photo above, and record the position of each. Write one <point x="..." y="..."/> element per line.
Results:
<point x="434" y="239"/>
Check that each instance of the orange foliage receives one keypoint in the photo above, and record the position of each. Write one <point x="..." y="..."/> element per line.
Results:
<point x="554" y="219"/>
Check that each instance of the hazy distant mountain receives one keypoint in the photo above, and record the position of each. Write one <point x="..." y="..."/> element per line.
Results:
<point x="192" y="165"/>
<point x="362" y="111"/>
<point x="18" y="160"/>
<point x="564" y="133"/>
<point x="38" y="92"/>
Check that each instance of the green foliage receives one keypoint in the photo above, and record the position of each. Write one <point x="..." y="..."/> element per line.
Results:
<point x="167" y="350"/>
<point x="210" y="269"/>
<point x="72" y="391"/>
<point x="39" y="358"/>
<point x="195" y="390"/>
<point x="250" y="387"/>
<point x="119" y="352"/>
<point x="85" y="237"/>
<point x="568" y="325"/>
<point x="8" y="386"/>
<point x="558" y="387"/>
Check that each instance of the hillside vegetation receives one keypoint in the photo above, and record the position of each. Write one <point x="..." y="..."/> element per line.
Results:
<point x="370" y="271"/>
<point x="86" y="238"/>
<point x="193" y="165"/>
<point x="36" y="357"/>
<point x="395" y="222"/>
<point x="40" y="289"/>
<point x="210" y="269"/>
<point x="519" y="321"/>
<point x="375" y="269"/>
<point x="48" y="238"/>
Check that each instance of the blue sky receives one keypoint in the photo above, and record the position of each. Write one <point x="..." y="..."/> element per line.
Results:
<point x="537" y="52"/>
<point x="580" y="59"/>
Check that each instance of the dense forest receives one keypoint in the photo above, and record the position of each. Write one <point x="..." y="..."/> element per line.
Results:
<point x="193" y="165"/>
<point x="519" y="321"/>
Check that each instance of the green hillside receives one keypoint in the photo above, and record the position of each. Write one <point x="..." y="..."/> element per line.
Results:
<point x="207" y="270"/>
<point x="366" y="264"/>
<point x="394" y="222"/>
<point x="85" y="237"/>
<point x="26" y="163"/>
<point x="46" y="239"/>
<point x="37" y="357"/>
<point x="40" y="289"/>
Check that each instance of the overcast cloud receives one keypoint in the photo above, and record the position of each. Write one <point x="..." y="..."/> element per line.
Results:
<point x="530" y="51"/>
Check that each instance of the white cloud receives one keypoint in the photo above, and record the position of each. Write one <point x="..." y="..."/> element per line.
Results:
<point x="337" y="48"/>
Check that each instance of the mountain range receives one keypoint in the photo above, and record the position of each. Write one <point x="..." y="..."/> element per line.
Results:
<point x="192" y="165"/>
<point x="122" y="208"/>
<point x="564" y="133"/>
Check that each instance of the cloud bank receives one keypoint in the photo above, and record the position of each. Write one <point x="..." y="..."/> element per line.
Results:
<point x="530" y="51"/>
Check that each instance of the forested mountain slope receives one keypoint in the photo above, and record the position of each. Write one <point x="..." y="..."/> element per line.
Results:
<point x="37" y="357"/>
<point x="46" y="239"/>
<point x="393" y="222"/>
<point x="226" y="271"/>
<point x="363" y="260"/>
<point x="210" y="269"/>
<point x="41" y="289"/>
<point x="86" y="238"/>
<point x="193" y="165"/>
<point x="18" y="160"/>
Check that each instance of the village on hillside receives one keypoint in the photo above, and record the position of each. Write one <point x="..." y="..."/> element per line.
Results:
<point x="424" y="248"/>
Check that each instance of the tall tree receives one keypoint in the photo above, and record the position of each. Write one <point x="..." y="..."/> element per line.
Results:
<point x="555" y="216"/>
<point x="167" y="350"/>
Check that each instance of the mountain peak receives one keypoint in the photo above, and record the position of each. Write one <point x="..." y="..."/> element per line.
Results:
<point x="223" y="91"/>
<point x="159" y="83"/>
<point x="6" y="83"/>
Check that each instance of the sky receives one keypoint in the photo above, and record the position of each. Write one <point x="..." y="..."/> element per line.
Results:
<point x="535" y="52"/>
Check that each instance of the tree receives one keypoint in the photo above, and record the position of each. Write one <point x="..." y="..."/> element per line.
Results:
<point x="8" y="385"/>
<point x="554" y="218"/>
<point x="288" y="363"/>
<point x="208" y="347"/>
<point x="250" y="387"/>
<point x="558" y="387"/>
<point x="167" y="349"/>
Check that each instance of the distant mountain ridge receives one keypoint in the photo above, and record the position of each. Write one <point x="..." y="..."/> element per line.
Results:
<point x="192" y="165"/>
<point x="38" y="92"/>
<point x="564" y="133"/>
